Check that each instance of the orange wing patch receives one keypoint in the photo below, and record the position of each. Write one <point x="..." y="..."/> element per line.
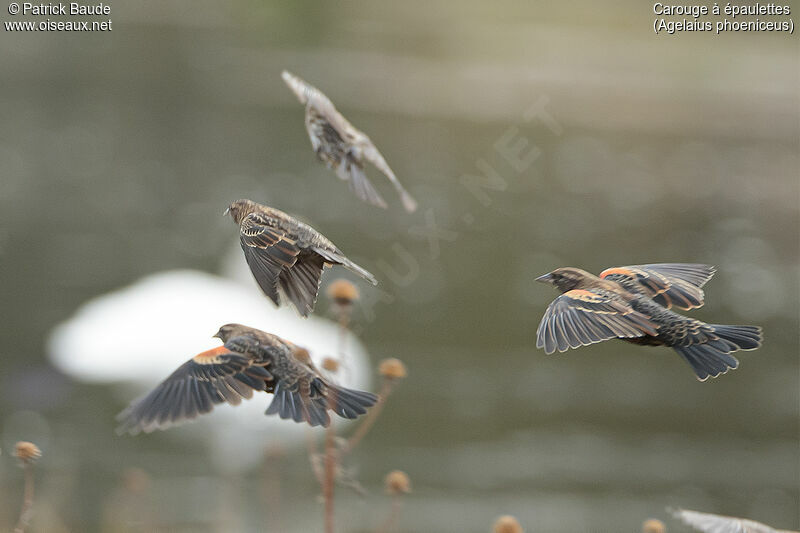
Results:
<point x="209" y="357"/>
<point x="652" y="281"/>
<point x="617" y="270"/>
<point x="584" y="295"/>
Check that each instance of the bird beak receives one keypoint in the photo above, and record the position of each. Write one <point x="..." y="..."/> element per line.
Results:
<point x="216" y="336"/>
<point x="547" y="278"/>
<point x="228" y="210"/>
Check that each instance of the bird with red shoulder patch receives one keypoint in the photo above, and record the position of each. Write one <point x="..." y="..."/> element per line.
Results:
<point x="634" y="303"/>
<point x="250" y="360"/>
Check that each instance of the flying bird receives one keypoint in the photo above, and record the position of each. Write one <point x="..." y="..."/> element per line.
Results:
<point x="712" y="523"/>
<point x="284" y="252"/>
<point x="634" y="303"/>
<point x="341" y="146"/>
<point x="249" y="361"/>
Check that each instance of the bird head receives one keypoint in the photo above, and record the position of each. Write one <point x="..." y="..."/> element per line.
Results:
<point x="240" y="209"/>
<point x="229" y="331"/>
<point x="565" y="279"/>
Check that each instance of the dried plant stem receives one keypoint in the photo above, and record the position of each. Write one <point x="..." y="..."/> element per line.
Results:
<point x="371" y="417"/>
<point x="27" y="501"/>
<point x="394" y="515"/>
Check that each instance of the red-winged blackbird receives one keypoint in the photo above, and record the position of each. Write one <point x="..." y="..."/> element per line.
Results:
<point x="249" y="360"/>
<point x="282" y="251"/>
<point x="714" y="523"/>
<point x="633" y="303"/>
<point x="341" y="146"/>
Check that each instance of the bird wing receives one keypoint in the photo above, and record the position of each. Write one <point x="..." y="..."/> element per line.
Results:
<point x="320" y="107"/>
<point x="374" y="156"/>
<point x="712" y="523"/>
<point x="268" y="249"/>
<point x="309" y="397"/>
<point x="581" y="317"/>
<point x="352" y="171"/>
<point x="300" y="283"/>
<point x="668" y="284"/>
<point x="207" y="379"/>
<point x="301" y="400"/>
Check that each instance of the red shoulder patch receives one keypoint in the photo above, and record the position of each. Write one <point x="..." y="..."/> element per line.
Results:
<point x="209" y="357"/>
<point x="583" y="295"/>
<point x="617" y="270"/>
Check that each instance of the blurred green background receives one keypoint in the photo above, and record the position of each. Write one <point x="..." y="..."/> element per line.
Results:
<point x="120" y="150"/>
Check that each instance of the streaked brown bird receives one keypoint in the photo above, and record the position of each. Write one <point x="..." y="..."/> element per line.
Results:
<point x="633" y="303"/>
<point x="713" y="523"/>
<point x="341" y="146"/>
<point x="284" y="252"/>
<point x="249" y="360"/>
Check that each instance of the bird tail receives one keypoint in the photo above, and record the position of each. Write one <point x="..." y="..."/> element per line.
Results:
<point x="350" y="403"/>
<point x="360" y="271"/>
<point x="711" y="356"/>
<point x="338" y="258"/>
<point x="743" y="337"/>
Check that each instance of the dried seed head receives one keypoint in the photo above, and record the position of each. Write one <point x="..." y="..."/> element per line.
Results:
<point x="342" y="292"/>
<point x="653" y="526"/>
<point x="397" y="482"/>
<point x="330" y="364"/>
<point x="507" y="524"/>
<point x="392" y="369"/>
<point x="27" y="452"/>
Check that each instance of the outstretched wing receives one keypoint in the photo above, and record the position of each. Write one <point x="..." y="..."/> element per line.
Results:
<point x="668" y="284"/>
<point x="581" y="317"/>
<point x="268" y="250"/>
<point x="302" y="401"/>
<point x="712" y="523"/>
<point x="207" y="379"/>
<point x="352" y="171"/>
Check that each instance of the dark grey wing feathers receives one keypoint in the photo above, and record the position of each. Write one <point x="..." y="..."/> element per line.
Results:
<point x="300" y="283"/>
<point x="581" y="317"/>
<point x="209" y="378"/>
